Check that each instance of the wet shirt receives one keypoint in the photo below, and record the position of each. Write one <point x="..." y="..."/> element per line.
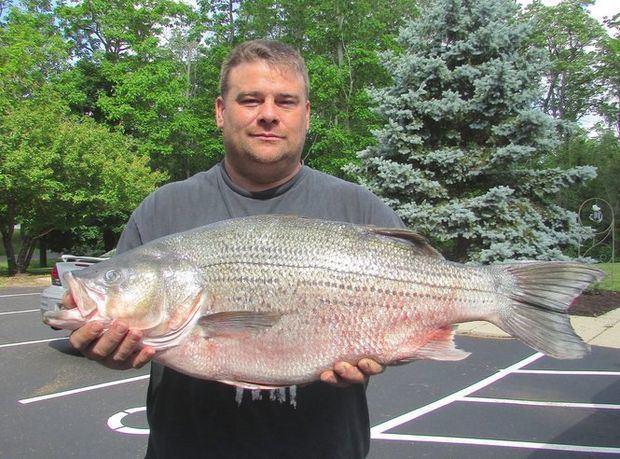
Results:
<point x="193" y="418"/>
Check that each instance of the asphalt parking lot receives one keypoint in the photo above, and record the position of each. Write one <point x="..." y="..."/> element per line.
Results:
<point x="504" y="400"/>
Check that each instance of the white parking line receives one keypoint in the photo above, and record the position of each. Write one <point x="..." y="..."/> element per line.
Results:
<point x="569" y="372"/>
<point x="377" y="430"/>
<point x="26" y="401"/>
<point x="504" y="443"/>
<point x="596" y="406"/>
<point x="19" y="294"/>
<point x="115" y="422"/>
<point x="19" y="312"/>
<point x="23" y="343"/>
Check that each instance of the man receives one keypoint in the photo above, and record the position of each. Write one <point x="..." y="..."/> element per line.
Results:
<point x="263" y="112"/>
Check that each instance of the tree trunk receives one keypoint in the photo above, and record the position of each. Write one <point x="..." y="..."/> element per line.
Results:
<point x="42" y="254"/>
<point x="25" y="253"/>
<point x="341" y="53"/>
<point x="231" y="22"/>
<point x="29" y="244"/>
<point x="550" y="92"/>
<point x="189" y="93"/>
<point x="7" y="236"/>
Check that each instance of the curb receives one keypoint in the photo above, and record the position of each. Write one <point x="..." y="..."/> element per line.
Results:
<point x="603" y="330"/>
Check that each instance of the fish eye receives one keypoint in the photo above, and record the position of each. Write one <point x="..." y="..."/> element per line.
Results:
<point x="112" y="276"/>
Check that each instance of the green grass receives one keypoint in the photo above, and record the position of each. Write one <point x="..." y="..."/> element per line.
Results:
<point x="35" y="271"/>
<point x="612" y="280"/>
<point x="34" y="267"/>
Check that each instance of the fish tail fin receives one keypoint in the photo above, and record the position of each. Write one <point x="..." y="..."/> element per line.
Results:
<point x="539" y="295"/>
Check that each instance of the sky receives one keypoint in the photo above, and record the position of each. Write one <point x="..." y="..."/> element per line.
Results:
<point x="600" y="10"/>
<point x="604" y="8"/>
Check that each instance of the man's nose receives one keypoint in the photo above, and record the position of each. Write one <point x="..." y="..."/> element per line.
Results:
<point x="268" y="112"/>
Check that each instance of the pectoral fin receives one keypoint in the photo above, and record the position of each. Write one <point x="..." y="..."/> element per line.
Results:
<point x="440" y="346"/>
<point x="235" y="322"/>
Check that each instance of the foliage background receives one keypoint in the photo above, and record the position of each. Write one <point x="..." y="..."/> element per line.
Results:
<point x="101" y="101"/>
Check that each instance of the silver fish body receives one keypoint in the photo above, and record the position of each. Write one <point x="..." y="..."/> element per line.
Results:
<point x="270" y="301"/>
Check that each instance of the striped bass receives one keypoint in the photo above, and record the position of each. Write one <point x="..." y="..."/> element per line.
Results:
<point x="272" y="301"/>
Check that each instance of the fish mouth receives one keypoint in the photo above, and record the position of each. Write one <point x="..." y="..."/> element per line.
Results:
<point x="67" y="319"/>
<point x="86" y="301"/>
<point x="82" y="296"/>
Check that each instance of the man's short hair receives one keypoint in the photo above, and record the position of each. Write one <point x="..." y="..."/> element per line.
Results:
<point x="273" y="52"/>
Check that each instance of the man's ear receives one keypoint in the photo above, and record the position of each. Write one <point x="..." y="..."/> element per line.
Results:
<point x="219" y="112"/>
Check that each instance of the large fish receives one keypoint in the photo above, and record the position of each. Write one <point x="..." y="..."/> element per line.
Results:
<point x="272" y="301"/>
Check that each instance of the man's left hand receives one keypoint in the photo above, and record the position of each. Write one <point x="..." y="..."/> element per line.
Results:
<point x="344" y="374"/>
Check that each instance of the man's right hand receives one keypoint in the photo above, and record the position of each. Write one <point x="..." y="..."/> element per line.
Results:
<point x="118" y="347"/>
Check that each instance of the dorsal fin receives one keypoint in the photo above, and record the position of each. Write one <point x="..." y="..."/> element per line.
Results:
<point x="419" y="242"/>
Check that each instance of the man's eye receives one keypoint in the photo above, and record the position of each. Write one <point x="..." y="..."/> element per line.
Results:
<point x="287" y="103"/>
<point x="249" y="102"/>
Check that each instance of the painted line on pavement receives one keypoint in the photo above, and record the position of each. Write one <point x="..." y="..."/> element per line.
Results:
<point x="596" y="406"/>
<point x="19" y="294"/>
<point x="26" y="401"/>
<point x="23" y="343"/>
<point x="19" y="312"/>
<point x="115" y="422"/>
<point x="378" y="432"/>
<point x="381" y="428"/>
<point x="569" y="372"/>
<point x="492" y="442"/>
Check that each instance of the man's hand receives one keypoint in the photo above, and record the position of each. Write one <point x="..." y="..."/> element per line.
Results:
<point x="344" y="374"/>
<point x="118" y="347"/>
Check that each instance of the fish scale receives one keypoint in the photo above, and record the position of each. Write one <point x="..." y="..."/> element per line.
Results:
<point x="272" y="301"/>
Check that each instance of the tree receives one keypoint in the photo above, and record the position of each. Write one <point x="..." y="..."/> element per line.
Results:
<point x="219" y="19"/>
<point x="119" y="28"/>
<point x="138" y="73"/>
<point x="602" y="152"/>
<point x="31" y="53"/>
<point x="460" y="156"/>
<point x="609" y="73"/>
<point x="154" y="103"/>
<point x="59" y="171"/>
<point x="572" y="39"/>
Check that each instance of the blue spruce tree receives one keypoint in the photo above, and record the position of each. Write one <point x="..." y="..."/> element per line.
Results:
<point x="461" y="157"/>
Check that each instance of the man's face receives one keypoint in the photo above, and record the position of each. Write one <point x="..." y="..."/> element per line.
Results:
<point x="264" y="116"/>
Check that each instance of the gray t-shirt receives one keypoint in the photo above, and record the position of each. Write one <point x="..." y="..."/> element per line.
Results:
<point x="193" y="418"/>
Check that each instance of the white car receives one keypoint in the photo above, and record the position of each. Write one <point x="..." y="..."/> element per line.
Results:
<point x="51" y="297"/>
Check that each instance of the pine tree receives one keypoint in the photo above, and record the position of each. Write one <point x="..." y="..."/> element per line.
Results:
<point x="460" y="157"/>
